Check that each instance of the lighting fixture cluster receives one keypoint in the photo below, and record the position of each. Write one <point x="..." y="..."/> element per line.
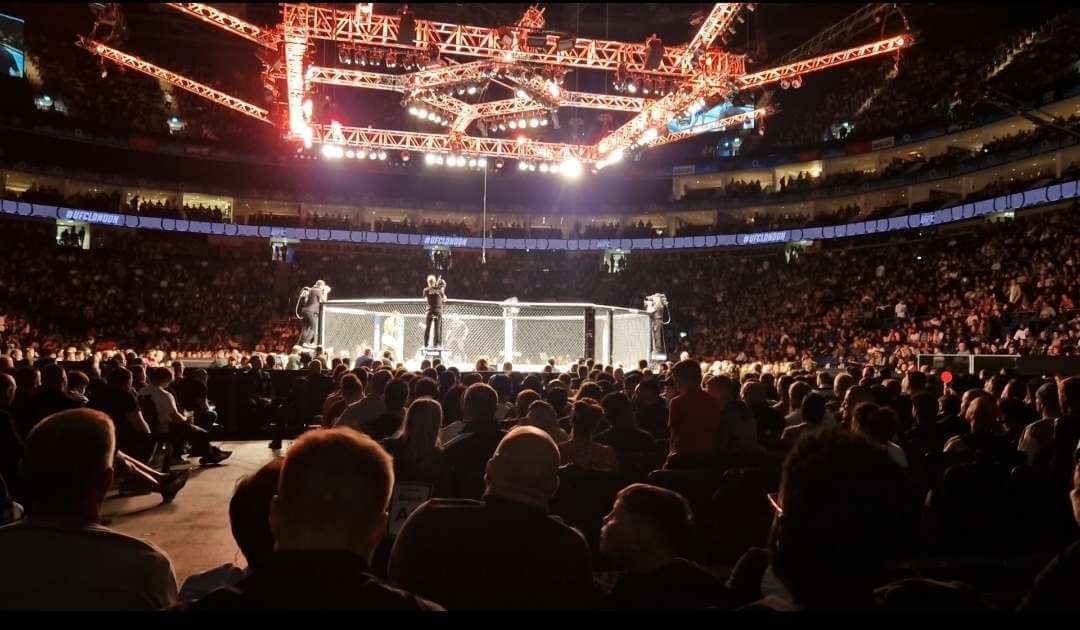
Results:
<point x="429" y="114"/>
<point x="465" y="89"/>
<point x="456" y="161"/>
<point x="517" y="122"/>
<point x="567" y="168"/>
<point x="365" y="57"/>
<point x="645" y="138"/>
<point x="642" y="84"/>
<point x="337" y="152"/>
<point x="795" y="83"/>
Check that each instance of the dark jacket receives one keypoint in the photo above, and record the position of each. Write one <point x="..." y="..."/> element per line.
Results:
<point x="310" y="580"/>
<point x="467" y="456"/>
<point x="494" y="553"/>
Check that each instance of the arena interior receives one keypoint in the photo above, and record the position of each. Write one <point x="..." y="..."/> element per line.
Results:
<point x="720" y="307"/>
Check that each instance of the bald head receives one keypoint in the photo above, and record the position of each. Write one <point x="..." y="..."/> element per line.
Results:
<point x="525" y="467"/>
<point x="334" y="489"/>
<point x="983" y="414"/>
<point x="68" y="463"/>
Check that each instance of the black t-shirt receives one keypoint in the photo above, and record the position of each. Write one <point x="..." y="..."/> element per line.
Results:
<point x="435" y="297"/>
<point x="190" y="393"/>
<point x="680" y="584"/>
<point x="117" y="403"/>
<point x="1055" y="587"/>
<point x="46" y="402"/>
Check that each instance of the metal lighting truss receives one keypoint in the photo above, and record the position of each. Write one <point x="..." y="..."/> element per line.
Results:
<point x="703" y="78"/>
<point x="230" y="23"/>
<point x="205" y="91"/>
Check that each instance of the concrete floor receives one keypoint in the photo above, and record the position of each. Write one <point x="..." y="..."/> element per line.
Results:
<point x="194" y="529"/>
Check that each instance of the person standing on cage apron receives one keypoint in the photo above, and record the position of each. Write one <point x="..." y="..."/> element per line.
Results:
<point x="656" y="305"/>
<point x="310" y="299"/>
<point x="435" y="294"/>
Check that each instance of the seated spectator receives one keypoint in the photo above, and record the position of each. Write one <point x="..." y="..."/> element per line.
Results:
<point x="61" y="558"/>
<point x="1037" y="438"/>
<point x="11" y="446"/>
<point x="118" y="401"/>
<point x="797" y="392"/>
<point x="326" y="520"/>
<point x="986" y="442"/>
<point x="193" y="396"/>
<point x="637" y="452"/>
<point x="880" y="426"/>
<point x="693" y="420"/>
<point x="645" y="532"/>
<point x="76" y="387"/>
<point x="467" y="454"/>
<point x="524" y="400"/>
<point x="836" y="521"/>
<point x="370" y="406"/>
<point x="48" y="399"/>
<point x="812" y="416"/>
<point x="769" y="422"/>
<point x="581" y="450"/>
<point x="1055" y="587"/>
<point x="418" y="455"/>
<point x="507" y="551"/>
<point x="249" y="518"/>
<point x="504" y="387"/>
<point x="396" y="395"/>
<point x="650" y="409"/>
<point x="169" y="420"/>
<point x="351" y="390"/>
<point x="541" y="414"/>
<point x="736" y="415"/>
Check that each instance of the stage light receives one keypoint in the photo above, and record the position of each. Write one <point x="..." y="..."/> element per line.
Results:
<point x="502" y="126"/>
<point x="391" y="59"/>
<point x="785" y="84"/>
<point x="471" y="90"/>
<point x="372" y="156"/>
<point x="534" y="122"/>
<point x="521" y="93"/>
<point x="482" y="162"/>
<point x="554" y="168"/>
<point x="522" y="166"/>
<point x="307" y="107"/>
<point x="332" y="151"/>
<point x="543" y="168"/>
<point x="412" y="111"/>
<point x="361" y="154"/>
<point x="461" y="161"/>
<point x="439" y="160"/>
<point x="350" y="154"/>
<point x="429" y="159"/>
<point x="382" y="155"/>
<point x="571" y="167"/>
<point x="796" y="83"/>
<point x="649" y="135"/>
<point x="532" y="167"/>
<point x="543" y="122"/>
<point x="472" y="163"/>
<point x="433" y="116"/>
<point x="513" y="124"/>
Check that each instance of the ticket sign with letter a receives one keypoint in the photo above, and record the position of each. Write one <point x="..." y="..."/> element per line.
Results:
<point x="405" y="499"/>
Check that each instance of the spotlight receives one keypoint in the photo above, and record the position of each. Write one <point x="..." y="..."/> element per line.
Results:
<point x="502" y="126"/>
<point x="532" y="167"/>
<point x="522" y="166"/>
<point x="361" y="155"/>
<point x="439" y="160"/>
<point x="429" y="159"/>
<point x="482" y="162"/>
<point x="461" y="161"/>
<point x="785" y="84"/>
<point x="631" y="86"/>
<point x="571" y="168"/>
<point x="372" y="156"/>
<point x="413" y="111"/>
<point x="433" y="116"/>
<point x="421" y="112"/>
<point x="350" y="154"/>
<point x="522" y="93"/>
<point x="461" y="90"/>
<point x="543" y="168"/>
<point x="534" y="122"/>
<point x="472" y="163"/>
<point x="471" y="90"/>
<point x="543" y="122"/>
<point x="796" y="83"/>
<point x="382" y="155"/>
<point x="513" y="124"/>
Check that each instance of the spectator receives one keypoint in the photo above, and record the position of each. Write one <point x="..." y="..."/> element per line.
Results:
<point x="769" y="422"/>
<point x="880" y="426"/>
<point x="1055" y="587"/>
<point x="834" y="562"/>
<point x="581" y="450"/>
<point x="812" y="414"/>
<point x="1037" y="439"/>
<point x="468" y="452"/>
<point x="507" y="552"/>
<point x="541" y="414"/>
<point x="351" y="390"/>
<point x="985" y="442"/>
<point x="50" y="398"/>
<point x="637" y="452"/>
<point x="61" y="558"/>
<point x="193" y="396"/>
<point x="693" y="420"/>
<point x="11" y="446"/>
<point x="418" y="455"/>
<point x="161" y="405"/>
<point x="735" y="414"/>
<point x="645" y="532"/>
<point x="249" y="518"/>
<point x="395" y="396"/>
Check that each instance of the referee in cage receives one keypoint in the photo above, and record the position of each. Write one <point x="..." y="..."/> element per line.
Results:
<point x="435" y="294"/>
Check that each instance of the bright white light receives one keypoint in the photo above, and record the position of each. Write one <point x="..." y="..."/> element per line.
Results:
<point x="471" y="90"/>
<point x="553" y="89"/>
<point x="382" y="155"/>
<point x="543" y="168"/>
<point x="513" y="124"/>
<point x="350" y="154"/>
<point x="439" y="160"/>
<point x="522" y="166"/>
<point x="631" y="88"/>
<point x="432" y="116"/>
<point x="472" y="163"/>
<point x="332" y="151"/>
<point x="307" y="107"/>
<point x="571" y="168"/>
<point x="421" y="112"/>
<point x="554" y="169"/>
<point x="648" y="136"/>
<point x="372" y="156"/>
<point x="461" y="161"/>
<point x="429" y="159"/>
<point x="522" y="93"/>
<point x="532" y="167"/>
<point x="482" y="162"/>
<point x="335" y="126"/>
<point x="534" y="122"/>
<point x="543" y="122"/>
<point x="412" y="111"/>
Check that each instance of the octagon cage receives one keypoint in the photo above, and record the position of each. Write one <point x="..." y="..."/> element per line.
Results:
<point x="527" y="334"/>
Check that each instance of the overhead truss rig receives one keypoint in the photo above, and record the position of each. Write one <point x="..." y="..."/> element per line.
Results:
<point x="522" y="57"/>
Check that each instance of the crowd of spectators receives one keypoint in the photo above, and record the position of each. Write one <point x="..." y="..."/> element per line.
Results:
<point x="687" y="487"/>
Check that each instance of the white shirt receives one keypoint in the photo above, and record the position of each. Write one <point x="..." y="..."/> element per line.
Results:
<point x="53" y="566"/>
<point x="164" y="403"/>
